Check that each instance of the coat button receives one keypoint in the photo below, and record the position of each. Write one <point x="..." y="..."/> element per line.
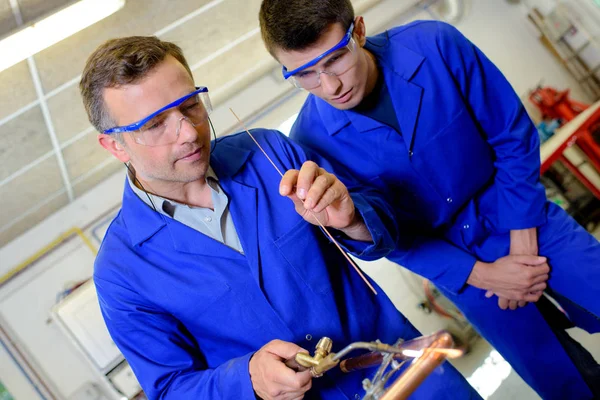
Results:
<point x="309" y="337"/>
<point x="466" y="226"/>
<point x="449" y="200"/>
<point x="357" y="396"/>
<point x="410" y="153"/>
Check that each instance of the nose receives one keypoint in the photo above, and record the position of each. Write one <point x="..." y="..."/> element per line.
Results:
<point x="186" y="132"/>
<point x="330" y="83"/>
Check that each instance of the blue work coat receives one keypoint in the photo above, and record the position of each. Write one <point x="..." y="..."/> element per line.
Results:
<point x="462" y="172"/>
<point x="188" y="311"/>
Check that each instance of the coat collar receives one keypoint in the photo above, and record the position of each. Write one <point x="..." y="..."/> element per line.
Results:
<point x="399" y="65"/>
<point x="142" y="222"/>
<point x="395" y="56"/>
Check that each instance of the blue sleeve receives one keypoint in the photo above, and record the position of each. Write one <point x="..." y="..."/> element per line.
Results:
<point x="438" y="260"/>
<point x="508" y="129"/>
<point x="163" y="356"/>
<point x="375" y="211"/>
<point x="379" y="222"/>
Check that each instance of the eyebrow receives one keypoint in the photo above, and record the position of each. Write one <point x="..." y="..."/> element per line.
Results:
<point x="325" y="61"/>
<point x="155" y="119"/>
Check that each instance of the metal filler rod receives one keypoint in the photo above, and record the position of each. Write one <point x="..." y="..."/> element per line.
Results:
<point x="312" y="213"/>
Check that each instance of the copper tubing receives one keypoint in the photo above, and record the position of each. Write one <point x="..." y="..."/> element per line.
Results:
<point x="431" y="298"/>
<point x="414" y="375"/>
<point x="418" y="344"/>
<point x="365" y="361"/>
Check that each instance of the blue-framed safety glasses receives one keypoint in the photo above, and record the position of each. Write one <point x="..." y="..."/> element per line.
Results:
<point x="335" y="61"/>
<point x="162" y="127"/>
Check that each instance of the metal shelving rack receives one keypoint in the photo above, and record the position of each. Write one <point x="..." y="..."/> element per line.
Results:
<point x="562" y="34"/>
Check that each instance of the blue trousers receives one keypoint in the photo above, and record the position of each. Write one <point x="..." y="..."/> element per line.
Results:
<point x="523" y="336"/>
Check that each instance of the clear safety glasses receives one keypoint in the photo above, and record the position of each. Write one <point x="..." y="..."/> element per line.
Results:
<point x="163" y="126"/>
<point x="335" y="62"/>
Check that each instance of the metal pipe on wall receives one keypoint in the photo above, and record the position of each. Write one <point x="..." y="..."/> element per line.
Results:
<point x="6" y="340"/>
<point x="28" y="370"/>
<point x="45" y="250"/>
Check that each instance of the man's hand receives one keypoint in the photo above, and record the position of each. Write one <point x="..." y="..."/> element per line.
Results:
<point x="514" y="277"/>
<point x="522" y="242"/>
<point x="318" y="194"/>
<point x="272" y="379"/>
<point x="505" y="303"/>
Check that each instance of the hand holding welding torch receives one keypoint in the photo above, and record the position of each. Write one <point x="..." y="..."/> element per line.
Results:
<point x="272" y="378"/>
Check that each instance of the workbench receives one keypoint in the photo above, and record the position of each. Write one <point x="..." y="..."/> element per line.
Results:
<point x="566" y="136"/>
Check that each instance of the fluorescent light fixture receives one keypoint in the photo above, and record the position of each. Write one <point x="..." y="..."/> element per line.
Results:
<point x="56" y="27"/>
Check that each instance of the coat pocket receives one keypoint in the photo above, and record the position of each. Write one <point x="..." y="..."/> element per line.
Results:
<point x="205" y="297"/>
<point x="309" y="255"/>
<point x="458" y="162"/>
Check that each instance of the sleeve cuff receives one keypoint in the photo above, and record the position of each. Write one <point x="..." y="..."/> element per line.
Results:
<point x="509" y="224"/>
<point x="381" y="244"/>
<point x="455" y="280"/>
<point x="239" y="371"/>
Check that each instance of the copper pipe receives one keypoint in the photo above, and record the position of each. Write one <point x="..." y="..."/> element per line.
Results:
<point x="373" y="359"/>
<point x="414" y="375"/>
<point x="364" y="361"/>
<point x="434" y="304"/>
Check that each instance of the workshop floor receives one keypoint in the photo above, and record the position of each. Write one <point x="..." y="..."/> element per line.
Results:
<point x="485" y="369"/>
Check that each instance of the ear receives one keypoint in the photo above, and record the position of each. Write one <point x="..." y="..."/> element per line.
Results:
<point x="360" y="31"/>
<point x="114" y="147"/>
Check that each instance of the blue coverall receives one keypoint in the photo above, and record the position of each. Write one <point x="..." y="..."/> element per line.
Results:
<point x="462" y="173"/>
<point x="188" y="312"/>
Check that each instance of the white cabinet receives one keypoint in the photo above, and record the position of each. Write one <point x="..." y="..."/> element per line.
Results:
<point x="80" y="319"/>
<point x="80" y="314"/>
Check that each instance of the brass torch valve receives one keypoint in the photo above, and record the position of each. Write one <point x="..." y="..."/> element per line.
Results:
<point x="322" y="361"/>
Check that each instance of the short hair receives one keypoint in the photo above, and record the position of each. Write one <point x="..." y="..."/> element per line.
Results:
<point x="298" y="24"/>
<point x="119" y="62"/>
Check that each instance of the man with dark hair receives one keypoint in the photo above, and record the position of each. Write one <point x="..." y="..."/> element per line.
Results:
<point x="421" y="113"/>
<point x="208" y="280"/>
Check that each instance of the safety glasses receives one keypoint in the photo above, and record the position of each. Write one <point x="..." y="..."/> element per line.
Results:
<point x="335" y="61"/>
<point x="163" y="126"/>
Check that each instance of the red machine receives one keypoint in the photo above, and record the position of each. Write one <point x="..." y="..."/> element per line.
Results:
<point x="557" y="105"/>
